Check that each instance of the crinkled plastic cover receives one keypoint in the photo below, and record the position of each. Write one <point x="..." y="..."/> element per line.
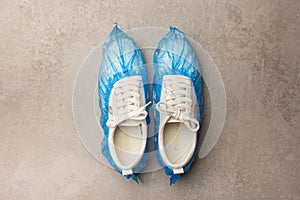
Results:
<point x="121" y="58"/>
<point x="175" y="55"/>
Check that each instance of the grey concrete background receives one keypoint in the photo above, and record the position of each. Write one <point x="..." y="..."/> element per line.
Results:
<point x="256" y="45"/>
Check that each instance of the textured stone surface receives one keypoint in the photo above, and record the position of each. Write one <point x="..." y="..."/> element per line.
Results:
<point x="256" y="45"/>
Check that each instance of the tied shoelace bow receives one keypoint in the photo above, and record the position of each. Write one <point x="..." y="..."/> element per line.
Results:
<point x="191" y="124"/>
<point x="177" y="102"/>
<point x="138" y="114"/>
<point x="127" y="97"/>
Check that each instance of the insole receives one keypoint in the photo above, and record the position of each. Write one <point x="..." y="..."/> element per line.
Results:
<point x="128" y="143"/>
<point x="178" y="141"/>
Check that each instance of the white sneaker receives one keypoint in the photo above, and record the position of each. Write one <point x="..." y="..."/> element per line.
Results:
<point x="127" y="123"/>
<point x="177" y="136"/>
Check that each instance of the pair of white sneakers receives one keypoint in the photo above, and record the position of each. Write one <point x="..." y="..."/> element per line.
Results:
<point x="124" y="104"/>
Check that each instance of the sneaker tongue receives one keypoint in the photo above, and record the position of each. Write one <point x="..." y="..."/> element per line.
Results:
<point x="130" y="122"/>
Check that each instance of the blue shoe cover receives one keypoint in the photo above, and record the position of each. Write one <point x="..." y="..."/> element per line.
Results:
<point x="175" y="56"/>
<point x="121" y="58"/>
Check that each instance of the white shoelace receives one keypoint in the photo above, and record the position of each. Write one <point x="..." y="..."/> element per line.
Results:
<point x="127" y="95"/>
<point x="178" y="102"/>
